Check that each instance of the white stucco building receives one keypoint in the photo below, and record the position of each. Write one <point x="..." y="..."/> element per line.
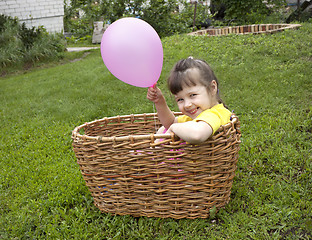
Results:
<point x="49" y="13"/>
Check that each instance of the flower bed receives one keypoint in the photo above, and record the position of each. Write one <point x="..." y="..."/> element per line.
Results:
<point x="246" y="29"/>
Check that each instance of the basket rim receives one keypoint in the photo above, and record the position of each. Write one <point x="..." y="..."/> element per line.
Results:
<point x="152" y="136"/>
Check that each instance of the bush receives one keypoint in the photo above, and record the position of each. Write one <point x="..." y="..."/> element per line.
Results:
<point x="20" y="45"/>
<point x="245" y="11"/>
<point x="167" y="17"/>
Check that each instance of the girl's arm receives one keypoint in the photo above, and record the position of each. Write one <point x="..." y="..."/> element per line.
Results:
<point x="192" y="132"/>
<point x="165" y="115"/>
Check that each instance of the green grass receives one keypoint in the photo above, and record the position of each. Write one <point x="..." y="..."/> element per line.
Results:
<point x="265" y="79"/>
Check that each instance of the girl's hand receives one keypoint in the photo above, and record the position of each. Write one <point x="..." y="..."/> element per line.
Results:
<point x="154" y="94"/>
<point x="165" y="116"/>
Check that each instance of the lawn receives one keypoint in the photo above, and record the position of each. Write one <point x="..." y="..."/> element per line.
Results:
<point x="265" y="79"/>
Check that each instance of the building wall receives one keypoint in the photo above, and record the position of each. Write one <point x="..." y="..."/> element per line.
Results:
<point x="48" y="13"/>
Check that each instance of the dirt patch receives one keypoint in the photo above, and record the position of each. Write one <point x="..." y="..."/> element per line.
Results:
<point x="82" y="57"/>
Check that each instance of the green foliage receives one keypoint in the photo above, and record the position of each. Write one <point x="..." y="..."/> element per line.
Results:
<point x="249" y="12"/>
<point x="10" y="43"/>
<point x="266" y="79"/>
<point x="21" y="45"/>
<point x="81" y="25"/>
<point x="29" y="35"/>
<point x="85" y="40"/>
<point x="167" y="17"/>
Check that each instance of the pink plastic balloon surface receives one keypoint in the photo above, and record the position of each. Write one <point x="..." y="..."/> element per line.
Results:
<point x="132" y="51"/>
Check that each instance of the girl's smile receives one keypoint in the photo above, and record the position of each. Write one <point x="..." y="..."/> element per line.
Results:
<point x="193" y="100"/>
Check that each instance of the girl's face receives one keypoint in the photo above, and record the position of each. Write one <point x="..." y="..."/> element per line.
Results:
<point x="193" y="100"/>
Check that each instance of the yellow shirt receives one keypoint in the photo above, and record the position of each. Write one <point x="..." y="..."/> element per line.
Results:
<point x="216" y="116"/>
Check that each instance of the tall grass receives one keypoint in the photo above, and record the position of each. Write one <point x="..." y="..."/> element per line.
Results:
<point x="21" y="46"/>
<point x="265" y="79"/>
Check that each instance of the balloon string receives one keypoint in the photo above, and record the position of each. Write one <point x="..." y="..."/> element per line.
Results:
<point x="154" y="117"/>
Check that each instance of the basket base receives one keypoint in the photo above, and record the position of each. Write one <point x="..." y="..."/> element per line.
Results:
<point x="160" y="207"/>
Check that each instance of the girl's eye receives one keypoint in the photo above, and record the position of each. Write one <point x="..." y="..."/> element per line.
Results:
<point x="193" y="94"/>
<point x="179" y="100"/>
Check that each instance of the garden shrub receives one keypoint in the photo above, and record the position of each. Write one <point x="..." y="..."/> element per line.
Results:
<point x="246" y="11"/>
<point x="20" y="45"/>
<point x="167" y="17"/>
<point x="28" y="35"/>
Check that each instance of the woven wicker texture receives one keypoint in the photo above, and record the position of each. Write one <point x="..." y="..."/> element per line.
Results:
<point x="127" y="172"/>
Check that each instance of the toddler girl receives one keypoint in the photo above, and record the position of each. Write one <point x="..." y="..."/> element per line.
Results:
<point x="195" y="88"/>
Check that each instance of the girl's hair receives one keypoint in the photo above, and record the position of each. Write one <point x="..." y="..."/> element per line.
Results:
<point x="182" y="76"/>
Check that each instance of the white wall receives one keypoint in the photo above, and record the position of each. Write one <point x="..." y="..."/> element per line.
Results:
<point x="48" y="13"/>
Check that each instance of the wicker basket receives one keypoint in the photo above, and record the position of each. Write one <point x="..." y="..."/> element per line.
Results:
<point x="127" y="172"/>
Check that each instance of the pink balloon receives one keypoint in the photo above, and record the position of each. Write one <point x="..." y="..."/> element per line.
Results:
<point x="132" y="51"/>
